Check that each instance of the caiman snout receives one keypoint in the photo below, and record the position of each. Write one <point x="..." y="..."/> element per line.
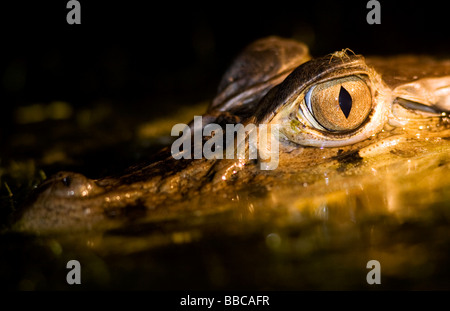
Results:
<point x="56" y="200"/>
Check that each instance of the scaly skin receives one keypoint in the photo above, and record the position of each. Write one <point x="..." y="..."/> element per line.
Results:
<point x="264" y="85"/>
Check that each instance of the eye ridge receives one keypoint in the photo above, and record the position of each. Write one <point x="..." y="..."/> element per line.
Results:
<point x="345" y="101"/>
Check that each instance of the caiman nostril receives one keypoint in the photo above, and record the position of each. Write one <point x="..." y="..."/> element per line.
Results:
<point x="66" y="181"/>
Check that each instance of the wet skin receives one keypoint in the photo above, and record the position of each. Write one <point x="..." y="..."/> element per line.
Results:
<point x="333" y="112"/>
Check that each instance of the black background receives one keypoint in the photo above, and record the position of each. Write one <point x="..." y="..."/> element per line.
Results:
<point x="148" y="54"/>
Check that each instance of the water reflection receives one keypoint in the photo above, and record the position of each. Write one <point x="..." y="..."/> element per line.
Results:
<point x="313" y="229"/>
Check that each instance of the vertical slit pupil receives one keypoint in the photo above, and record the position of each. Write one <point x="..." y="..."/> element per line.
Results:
<point x="345" y="102"/>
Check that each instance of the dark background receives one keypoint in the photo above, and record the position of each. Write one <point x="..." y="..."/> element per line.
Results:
<point x="147" y="55"/>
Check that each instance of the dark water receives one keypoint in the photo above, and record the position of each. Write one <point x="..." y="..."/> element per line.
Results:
<point x="312" y="229"/>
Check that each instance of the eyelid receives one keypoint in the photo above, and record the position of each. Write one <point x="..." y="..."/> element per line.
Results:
<point x="308" y="98"/>
<point x="307" y="113"/>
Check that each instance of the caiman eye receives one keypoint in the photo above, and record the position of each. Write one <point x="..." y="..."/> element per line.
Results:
<point x="338" y="105"/>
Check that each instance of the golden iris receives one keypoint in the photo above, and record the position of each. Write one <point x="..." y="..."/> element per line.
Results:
<point x="341" y="104"/>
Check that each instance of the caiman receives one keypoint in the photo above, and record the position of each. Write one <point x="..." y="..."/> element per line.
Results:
<point x="349" y="128"/>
